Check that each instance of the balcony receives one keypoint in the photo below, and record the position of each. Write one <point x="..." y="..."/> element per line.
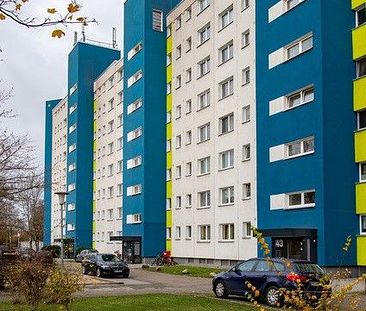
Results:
<point x="360" y="146"/>
<point x="361" y="250"/>
<point x="359" y="94"/>
<point x="359" y="42"/>
<point x="361" y="198"/>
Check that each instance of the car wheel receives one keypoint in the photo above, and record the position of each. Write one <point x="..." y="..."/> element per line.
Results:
<point x="272" y="296"/>
<point x="85" y="270"/>
<point x="220" y="290"/>
<point x="99" y="273"/>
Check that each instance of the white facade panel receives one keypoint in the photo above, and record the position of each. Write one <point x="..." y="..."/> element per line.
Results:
<point x="277" y="105"/>
<point x="276" y="58"/>
<point x="277" y="153"/>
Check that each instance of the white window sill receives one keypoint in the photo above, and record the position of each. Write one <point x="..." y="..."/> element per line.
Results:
<point x="299" y="155"/>
<point x="226" y="241"/>
<point x="247" y="199"/>
<point x="299" y="206"/>
<point x="226" y="204"/>
<point x="226" y="168"/>
<point x="204" y="241"/>
<point x="204" y="174"/>
<point x="203" y="207"/>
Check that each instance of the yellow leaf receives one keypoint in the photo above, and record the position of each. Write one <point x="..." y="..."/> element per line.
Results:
<point x="57" y="33"/>
<point x="52" y="10"/>
<point x="81" y="19"/>
<point x="73" y="8"/>
<point x="24" y="1"/>
<point x="2" y="16"/>
<point x="18" y="6"/>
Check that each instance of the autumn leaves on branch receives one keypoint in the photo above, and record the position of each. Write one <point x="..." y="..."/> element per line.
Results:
<point x="13" y="10"/>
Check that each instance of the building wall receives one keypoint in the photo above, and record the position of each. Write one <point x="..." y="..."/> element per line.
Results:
<point x="242" y="210"/>
<point x="107" y="166"/>
<point x="329" y="169"/>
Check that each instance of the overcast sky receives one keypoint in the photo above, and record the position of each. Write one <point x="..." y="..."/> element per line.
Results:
<point x="35" y="64"/>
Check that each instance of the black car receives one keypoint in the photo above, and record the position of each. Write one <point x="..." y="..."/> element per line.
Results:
<point x="268" y="276"/>
<point x="105" y="264"/>
<point x="79" y="257"/>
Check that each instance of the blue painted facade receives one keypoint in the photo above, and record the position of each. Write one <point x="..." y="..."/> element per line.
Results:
<point x="152" y="118"/>
<point x="50" y="104"/>
<point x="329" y="118"/>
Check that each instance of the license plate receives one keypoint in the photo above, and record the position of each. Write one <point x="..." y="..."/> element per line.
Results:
<point x="118" y="271"/>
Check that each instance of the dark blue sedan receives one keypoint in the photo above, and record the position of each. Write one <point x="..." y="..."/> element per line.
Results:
<point x="268" y="276"/>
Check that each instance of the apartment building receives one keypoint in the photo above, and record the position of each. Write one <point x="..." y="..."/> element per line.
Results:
<point x="359" y="106"/>
<point x="211" y="174"/>
<point x="107" y="165"/>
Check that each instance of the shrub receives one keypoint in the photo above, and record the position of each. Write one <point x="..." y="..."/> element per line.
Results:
<point x="54" y="249"/>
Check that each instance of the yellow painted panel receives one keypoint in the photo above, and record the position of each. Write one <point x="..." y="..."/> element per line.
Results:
<point x="94" y="186"/>
<point x="169" y="218"/>
<point x="361" y="198"/>
<point x="95" y="126"/>
<point x="94" y="206"/>
<point x="94" y="146"/>
<point x="359" y="41"/>
<point x="360" y="146"/>
<point x="94" y="165"/>
<point x="95" y="106"/>
<point x="169" y="44"/>
<point x="359" y="93"/>
<point x="94" y="226"/>
<point x="169" y="245"/>
<point x="169" y="159"/>
<point x="169" y="189"/>
<point x="169" y="73"/>
<point x="357" y="3"/>
<point x="169" y="131"/>
<point x="94" y="245"/>
<point x="169" y="102"/>
<point x="361" y="251"/>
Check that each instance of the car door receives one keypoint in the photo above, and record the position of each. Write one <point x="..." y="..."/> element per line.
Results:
<point x="261" y="272"/>
<point x="239" y="275"/>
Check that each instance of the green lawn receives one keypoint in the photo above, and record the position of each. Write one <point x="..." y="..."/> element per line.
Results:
<point x="202" y="272"/>
<point x="158" y="302"/>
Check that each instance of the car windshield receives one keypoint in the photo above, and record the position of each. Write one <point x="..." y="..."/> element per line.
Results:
<point x="109" y="258"/>
<point x="304" y="267"/>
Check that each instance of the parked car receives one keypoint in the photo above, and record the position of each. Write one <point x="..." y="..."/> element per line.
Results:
<point x="24" y="252"/>
<point x="105" y="264"/>
<point x="79" y="257"/>
<point x="268" y="277"/>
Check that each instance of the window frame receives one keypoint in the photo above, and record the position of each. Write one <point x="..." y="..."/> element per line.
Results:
<point x="302" y="204"/>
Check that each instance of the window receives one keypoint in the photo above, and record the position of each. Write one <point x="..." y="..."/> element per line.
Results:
<point x="188" y="137"/>
<point x="134" y="78"/>
<point x="168" y="204"/>
<point x="188" y="106"/>
<point x="227" y="88"/>
<point x="168" y="87"/>
<point x="134" y="219"/>
<point x="247" y="191"/>
<point x="135" y="162"/>
<point x="246" y="152"/>
<point x="226" y="52"/>
<point x="70" y="227"/>
<point x="203" y="4"/>
<point x="189" y="200"/>
<point x="300" y="147"/>
<point x="178" y="232"/>
<point x="300" y="97"/>
<point x="71" y="187"/>
<point x="227" y="195"/>
<point x="247" y="230"/>
<point x="73" y="89"/>
<point x="178" y="82"/>
<point x="246" y="114"/>
<point x="72" y="167"/>
<point x="168" y="145"/>
<point x="188" y="232"/>
<point x="178" y="201"/>
<point x="168" y="117"/>
<point x="110" y="192"/>
<point x="178" y="172"/>
<point x="111" y="104"/>
<point x="188" y="44"/>
<point x="361" y="16"/>
<point x="363" y="172"/>
<point x="134" y="106"/>
<point x="246" y="76"/>
<point x="178" y="52"/>
<point x="134" y="190"/>
<point x="110" y="126"/>
<point x="119" y="120"/>
<point x="188" y="13"/>
<point x="363" y="224"/>
<point x="292" y="3"/>
<point x="244" y="4"/>
<point x="301" y="199"/>
<point x="204" y="67"/>
<point x="226" y="159"/>
<point x="178" y="22"/>
<point x="204" y="232"/>
<point x="178" y="111"/>
<point x="299" y="47"/>
<point x="361" y="116"/>
<point x="227" y="232"/>
<point x="168" y="31"/>
<point x="178" y="141"/>
<point x="226" y="17"/>
<point x="72" y="128"/>
<point x="137" y="48"/>
<point x="168" y="174"/>
<point x="119" y="167"/>
<point x="134" y="134"/>
<point x="157" y="20"/>
<point x="361" y="68"/>
<point x="226" y="124"/>
<point x="110" y="148"/>
<point x="204" y="99"/>
<point x="204" y="34"/>
<point x="168" y="59"/>
<point x="110" y="170"/>
<point x="204" y="133"/>
<point x="119" y="190"/>
<point x="188" y="75"/>
<point x="204" y="199"/>
<point x="204" y="166"/>
<point x="189" y="169"/>
<point x="71" y="206"/>
<point x="72" y="108"/>
<point x="168" y="233"/>
<point x="245" y="38"/>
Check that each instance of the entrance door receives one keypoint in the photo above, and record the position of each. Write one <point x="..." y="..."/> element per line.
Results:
<point x="291" y="248"/>
<point x="131" y="252"/>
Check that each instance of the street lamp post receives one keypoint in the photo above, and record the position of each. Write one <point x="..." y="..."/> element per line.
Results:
<point x="61" y="201"/>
